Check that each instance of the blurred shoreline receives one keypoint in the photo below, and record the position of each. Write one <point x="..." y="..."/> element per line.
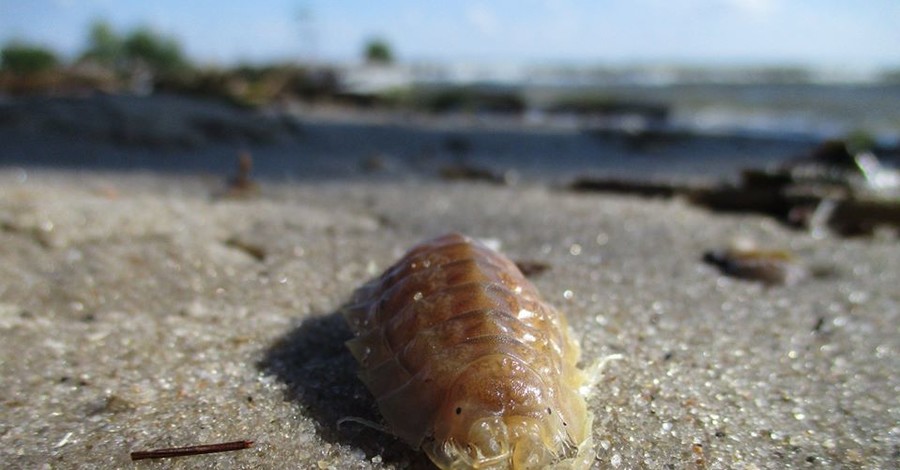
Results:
<point x="134" y="99"/>
<point x="174" y="133"/>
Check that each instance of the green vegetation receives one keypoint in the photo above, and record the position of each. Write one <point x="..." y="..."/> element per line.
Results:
<point x="162" y="54"/>
<point x="141" y="47"/>
<point x="464" y="100"/>
<point x="860" y="140"/>
<point x="253" y="86"/>
<point x="104" y="45"/>
<point x="442" y="99"/>
<point x="603" y="105"/>
<point x="115" y="61"/>
<point x="378" y="51"/>
<point x="587" y="103"/>
<point x="24" y="59"/>
<point x="110" y="61"/>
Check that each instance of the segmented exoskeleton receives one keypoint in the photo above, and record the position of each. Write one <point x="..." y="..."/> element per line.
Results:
<point x="468" y="363"/>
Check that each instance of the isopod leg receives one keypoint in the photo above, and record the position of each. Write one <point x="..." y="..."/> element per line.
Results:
<point x="594" y="371"/>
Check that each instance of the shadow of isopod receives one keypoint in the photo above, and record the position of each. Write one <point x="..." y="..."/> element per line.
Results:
<point x="320" y="375"/>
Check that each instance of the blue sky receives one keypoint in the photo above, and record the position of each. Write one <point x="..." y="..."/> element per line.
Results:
<point x="844" y="33"/>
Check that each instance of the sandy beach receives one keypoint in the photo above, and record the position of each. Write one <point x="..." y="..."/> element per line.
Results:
<point x="191" y="193"/>
<point x="140" y="311"/>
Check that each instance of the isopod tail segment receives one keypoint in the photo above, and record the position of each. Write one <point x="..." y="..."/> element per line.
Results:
<point x="468" y="363"/>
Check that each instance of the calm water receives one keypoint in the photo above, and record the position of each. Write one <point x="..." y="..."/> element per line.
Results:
<point x="815" y="111"/>
<point x="713" y="132"/>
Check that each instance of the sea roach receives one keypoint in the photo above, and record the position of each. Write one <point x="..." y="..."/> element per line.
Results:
<point x="468" y="363"/>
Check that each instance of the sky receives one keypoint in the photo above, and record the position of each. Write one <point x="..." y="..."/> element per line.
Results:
<point x="833" y="33"/>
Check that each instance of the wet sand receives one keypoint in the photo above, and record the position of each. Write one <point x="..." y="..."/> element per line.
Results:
<point x="140" y="311"/>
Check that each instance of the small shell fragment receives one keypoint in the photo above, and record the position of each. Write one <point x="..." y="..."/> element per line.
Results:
<point x="773" y="267"/>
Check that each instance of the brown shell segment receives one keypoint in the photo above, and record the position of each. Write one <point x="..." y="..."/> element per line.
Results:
<point x="452" y="335"/>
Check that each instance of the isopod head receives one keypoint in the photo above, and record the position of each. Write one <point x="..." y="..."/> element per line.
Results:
<point x="495" y="416"/>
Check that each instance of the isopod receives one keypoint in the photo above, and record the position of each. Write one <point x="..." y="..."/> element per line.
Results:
<point x="468" y="363"/>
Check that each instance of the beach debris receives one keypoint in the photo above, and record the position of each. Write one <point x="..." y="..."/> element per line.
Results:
<point x="465" y="172"/>
<point x="627" y="186"/>
<point x="241" y="185"/>
<point x="817" y="328"/>
<point x="255" y="251"/>
<point x="877" y="176"/>
<point x="374" y="163"/>
<point x="833" y="162"/>
<point x="469" y="100"/>
<point x="852" y="217"/>
<point x="699" y="457"/>
<point x="470" y="331"/>
<point x="113" y="404"/>
<point x="601" y="113"/>
<point x="457" y="144"/>
<point x="191" y="450"/>
<point x="831" y="188"/>
<point x="745" y="261"/>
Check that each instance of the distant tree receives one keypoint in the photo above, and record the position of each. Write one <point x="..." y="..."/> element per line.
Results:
<point x="378" y="51"/>
<point x="104" y="45"/>
<point x="23" y="59"/>
<point x="142" y="47"/>
<point x="162" y="54"/>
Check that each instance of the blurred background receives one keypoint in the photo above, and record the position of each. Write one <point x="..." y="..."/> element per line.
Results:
<point x="501" y="90"/>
